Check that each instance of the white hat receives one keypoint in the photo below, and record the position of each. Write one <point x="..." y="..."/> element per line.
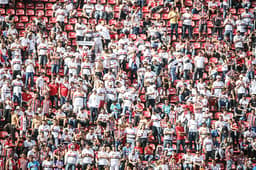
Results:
<point x="18" y="76"/>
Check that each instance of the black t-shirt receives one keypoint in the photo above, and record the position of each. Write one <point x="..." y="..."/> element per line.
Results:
<point x="253" y="102"/>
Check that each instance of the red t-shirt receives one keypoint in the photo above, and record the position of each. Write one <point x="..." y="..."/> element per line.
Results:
<point x="63" y="90"/>
<point x="180" y="129"/>
<point x="53" y="89"/>
<point x="139" y="149"/>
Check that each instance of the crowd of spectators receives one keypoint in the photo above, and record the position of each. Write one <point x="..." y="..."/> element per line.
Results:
<point x="128" y="84"/>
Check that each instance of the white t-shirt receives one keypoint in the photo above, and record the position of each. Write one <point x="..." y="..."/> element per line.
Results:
<point x="156" y="120"/>
<point x="241" y="26"/>
<point x="229" y="23"/>
<point x="187" y="19"/>
<point x="103" y="161"/>
<point x="114" y="158"/>
<point x="47" y="165"/>
<point x="88" y="159"/>
<point x="199" y="61"/>
<point x="218" y="86"/>
<point x="17" y="86"/>
<point x="60" y="15"/>
<point x="16" y="64"/>
<point x="241" y="89"/>
<point x="30" y="66"/>
<point x="192" y="125"/>
<point x="80" y="29"/>
<point x="43" y="48"/>
<point x="238" y="39"/>
<point x="208" y="144"/>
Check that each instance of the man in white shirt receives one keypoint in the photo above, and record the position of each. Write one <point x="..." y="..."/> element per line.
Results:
<point x="240" y="87"/>
<point x="128" y="99"/>
<point x="130" y="134"/>
<point x="187" y="23"/>
<point x="156" y="127"/>
<point x="94" y="103"/>
<point x="229" y="23"/>
<point x="217" y="87"/>
<point x="80" y="29"/>
<point x="199" y="66"/>
<point x="151" y="95"/>
<point x="88" y="156"/>
<point x="60" y="14"/>
<point x="241" y="25"/>
<point x="103" y="157"/>
<point x="42" y="51"/>
<point x="248" y="17"/>
<point x="192" y="131"/>
<point x="71" y="158"/>
<point x="188" y="160"/>
<point x="239" y="41"/>
<point x="168" y="135"/>
<point x="29" y="63"/>
<point x="208" y="147"/>
<point x="98" y="13"/>
<point x="17" y="85"/>
<point x="16" y="64"/>
<point x="115" y="157"/>
<point x="48" y="163"/>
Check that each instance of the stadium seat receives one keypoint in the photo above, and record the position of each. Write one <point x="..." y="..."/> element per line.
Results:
<point x="41" y="12"/>
<point x="174" y="99"/>
<point x="145" y="9"/>
<point x="155" y="16"/>
<point x="20" y="26"/>
<point x="30" y="12"/>
<point x="116" y="8"/>
<point x="197" y="45"/>
<point x="48" y="6"/>
<point x="240" y="11"/>
<point x="30" y="6"/>
<point x="16" y="19"/>
<point x="132" y="36"/>
<point x="92" y="21"/>
<point x="39" y="6"/>
<point x="112" y="22"/>
<point x="72" y="21"/>
<point x="52" y="20"/>
<point x="24" y="19"/>
<point x="69" y="28"/>
<point x="20" y="12"/>
<point x="112" y="2"/>
<point x="209" y="24"/>
<point x="49" y="13"/>
<point x="93" y="1"/>
<point x="2" y="11"/>
<point x="11" y="11"/>
<point x="20" y="5"/>
<point x="165" y="16"/>
<point x="232" y="11"/>
<point x="72" y="35"/>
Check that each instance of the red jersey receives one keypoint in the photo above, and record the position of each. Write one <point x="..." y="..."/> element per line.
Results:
<point x="63" y="90"/>
<point x="179" y="130"/>
<point x="53" y="89"/>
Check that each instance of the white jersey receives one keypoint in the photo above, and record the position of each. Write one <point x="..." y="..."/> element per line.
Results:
<point x="47" y="165"/>
<point x="88" y="156"/>
<point x="115" y="158"/>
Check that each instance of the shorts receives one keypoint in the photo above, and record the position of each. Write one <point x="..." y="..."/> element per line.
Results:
<point x="43" y="60"/>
